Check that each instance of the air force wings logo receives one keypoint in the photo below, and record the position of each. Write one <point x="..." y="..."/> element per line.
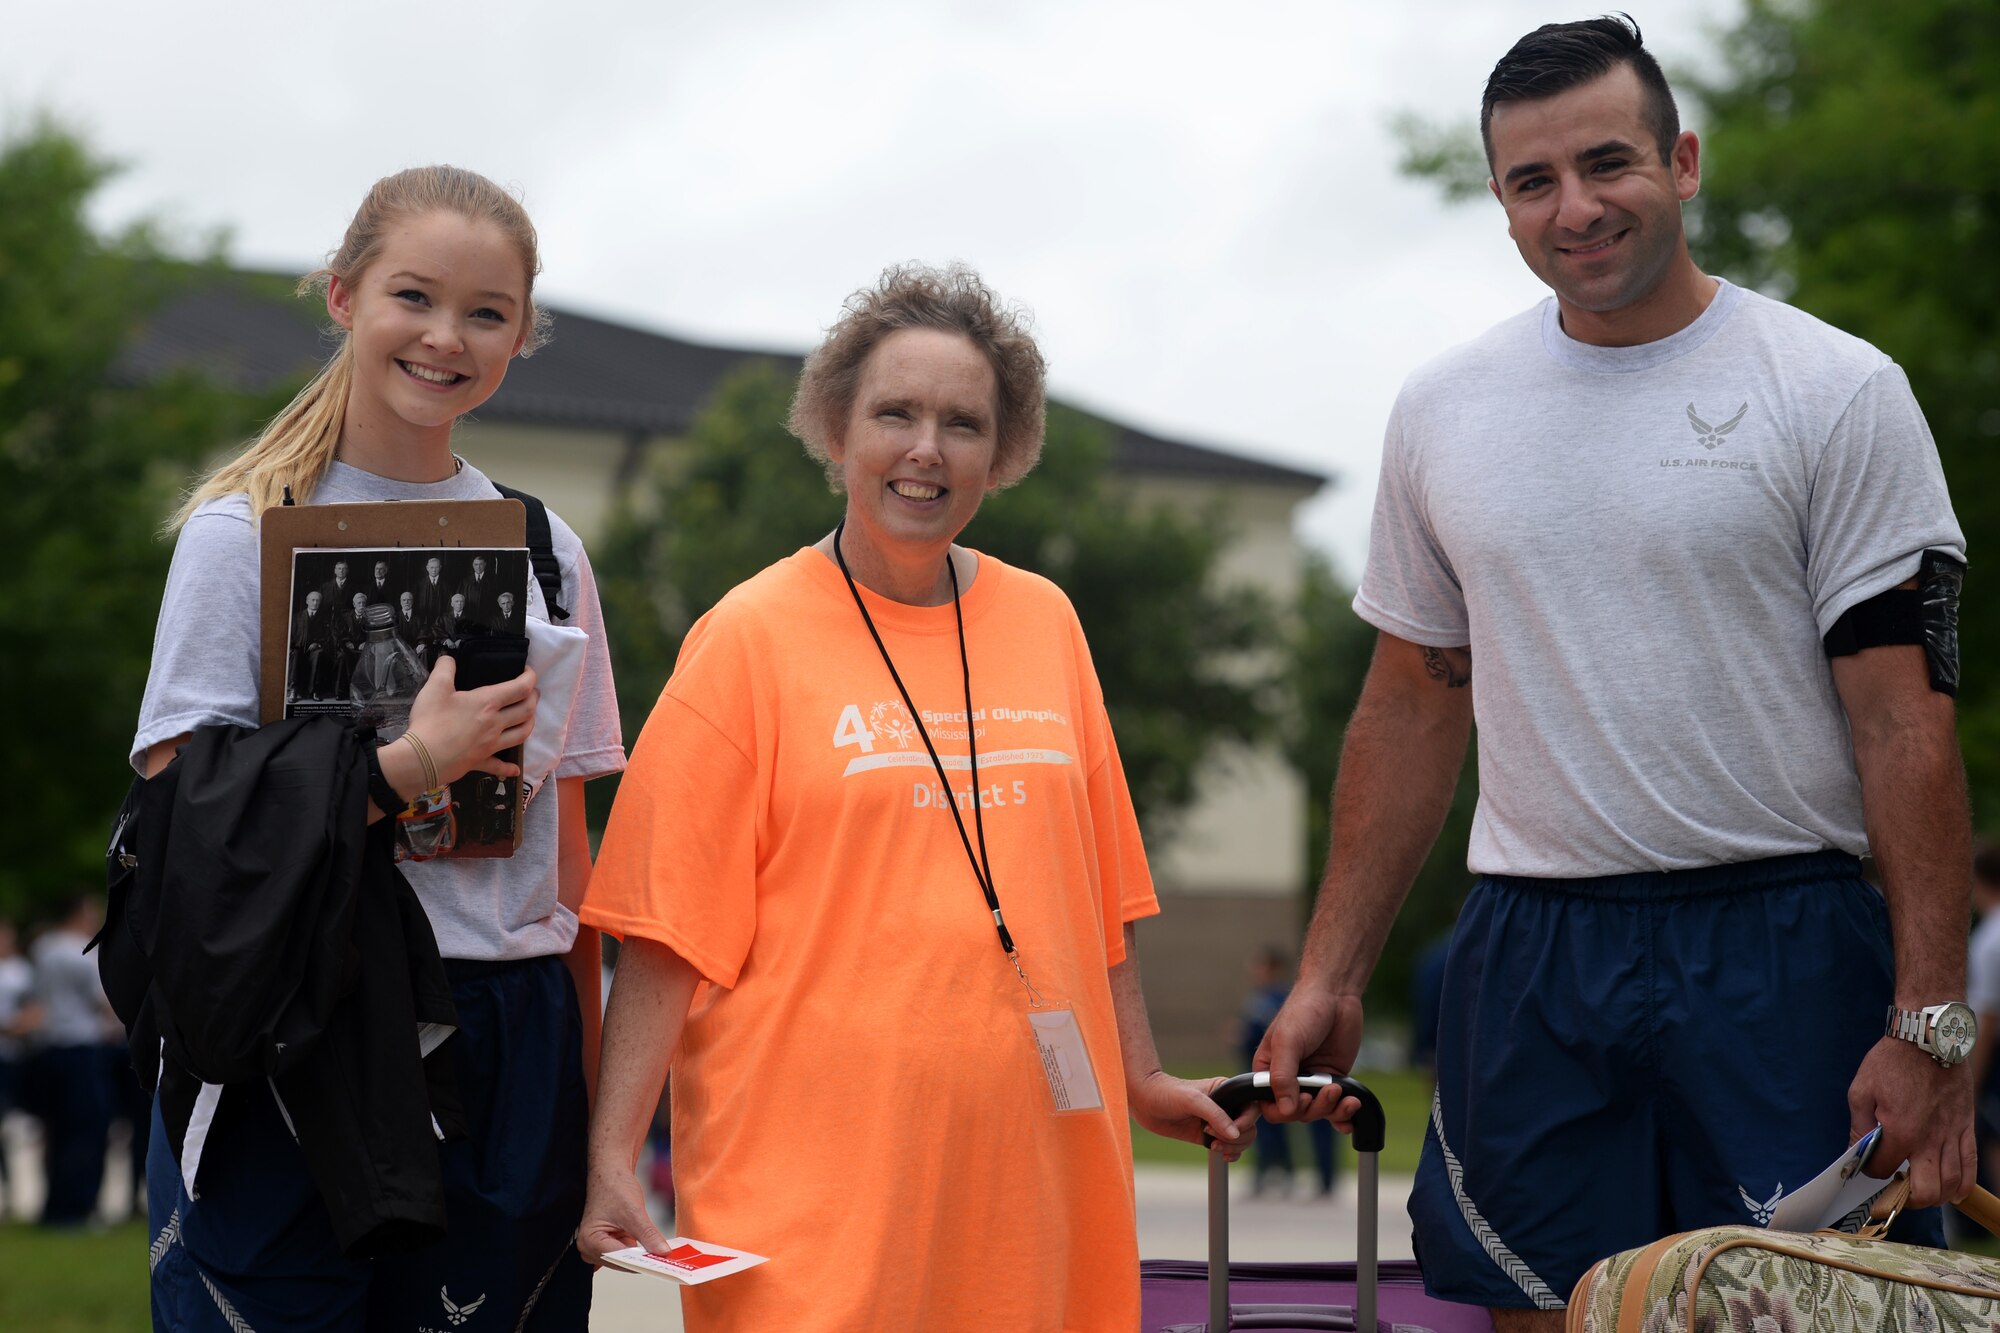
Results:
<point x="1711" y="436"/>
<point x="1761" y="1212"/>
<point x="457" y="1313"/>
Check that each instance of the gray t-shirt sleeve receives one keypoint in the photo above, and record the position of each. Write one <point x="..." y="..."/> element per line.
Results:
<point x="1878" y="500"/>
<point x="595" y="745"/>
<point x="204" y="669"/>
<point x="1409" y="588"/>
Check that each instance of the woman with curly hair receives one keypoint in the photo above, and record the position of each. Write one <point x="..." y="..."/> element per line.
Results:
<point x="876" y="869"/>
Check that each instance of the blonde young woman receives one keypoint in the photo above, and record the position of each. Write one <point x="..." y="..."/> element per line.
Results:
<point x="432" y="289"/>
<point x="876" y="871"/>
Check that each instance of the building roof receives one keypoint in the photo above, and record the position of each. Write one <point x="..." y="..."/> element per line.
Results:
<point x="247" y="331"/>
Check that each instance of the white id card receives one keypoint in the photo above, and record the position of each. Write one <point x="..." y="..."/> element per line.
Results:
<point x="1065" y="1061"/>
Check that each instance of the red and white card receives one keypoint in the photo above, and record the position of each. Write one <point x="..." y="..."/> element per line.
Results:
<point x="685" y="1261"/>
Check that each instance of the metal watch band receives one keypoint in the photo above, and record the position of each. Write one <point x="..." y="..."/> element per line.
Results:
<point x="1909" y="1025"/>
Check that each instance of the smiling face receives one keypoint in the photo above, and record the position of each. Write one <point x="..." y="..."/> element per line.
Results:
<point x="433" y="322"/>
<point x="916" y="456"/>
<point x="1594" y="211"/>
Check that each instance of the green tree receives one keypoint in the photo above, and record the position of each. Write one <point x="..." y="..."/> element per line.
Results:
<point x="88" y="465"/>
<point x="1184" y="665"/>
<point x="1329" y="651"/>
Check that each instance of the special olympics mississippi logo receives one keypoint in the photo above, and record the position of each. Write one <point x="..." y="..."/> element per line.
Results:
<point x="889" y="718"/>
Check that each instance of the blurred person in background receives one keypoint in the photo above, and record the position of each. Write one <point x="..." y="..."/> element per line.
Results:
<point x="20" y="1017"/>
<point x="1270" y="983"/>
<point x="1427" y="1004"/>
<point x="74" y="1093"/>
<point x="1982" y="984"/>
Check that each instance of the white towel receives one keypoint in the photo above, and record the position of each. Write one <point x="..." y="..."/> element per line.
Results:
<point x="556" y="653"/>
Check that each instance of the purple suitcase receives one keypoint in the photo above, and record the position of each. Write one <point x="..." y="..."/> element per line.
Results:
<point x="1177" y="1296"/>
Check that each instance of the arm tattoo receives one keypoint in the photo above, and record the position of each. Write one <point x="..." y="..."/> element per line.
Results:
<point x="1452" y="667"/>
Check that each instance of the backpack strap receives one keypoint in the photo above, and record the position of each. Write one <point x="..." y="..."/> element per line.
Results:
<point x="541" y="549"/>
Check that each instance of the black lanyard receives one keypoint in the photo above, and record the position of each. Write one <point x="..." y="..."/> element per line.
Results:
<point x="982" y="866"/>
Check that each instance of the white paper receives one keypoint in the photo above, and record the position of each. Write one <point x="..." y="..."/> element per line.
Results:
<point x="689" y="1262"/>
<point x="1065" y="1061"/>
<point x="1835" y="1194"/>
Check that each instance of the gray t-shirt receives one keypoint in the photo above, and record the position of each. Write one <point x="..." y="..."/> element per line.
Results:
<point x="17" y="988"/>
<point x="74" y="1010"/>
<point x="204" y="672"/>
<point x="1643" y="546"/>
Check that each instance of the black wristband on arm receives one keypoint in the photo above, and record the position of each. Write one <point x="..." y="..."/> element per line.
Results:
<point x="1926" y="614"/>
<point x="379" y="791"/>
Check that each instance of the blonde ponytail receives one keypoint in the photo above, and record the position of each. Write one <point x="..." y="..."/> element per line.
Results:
<point x="293" y="450"/>
<point x="297" y="446"/>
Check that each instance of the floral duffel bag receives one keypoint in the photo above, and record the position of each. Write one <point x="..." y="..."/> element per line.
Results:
<point x="1737" y="1279"/>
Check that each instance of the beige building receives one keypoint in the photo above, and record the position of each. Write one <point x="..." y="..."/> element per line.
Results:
<point x="574" y="425"/>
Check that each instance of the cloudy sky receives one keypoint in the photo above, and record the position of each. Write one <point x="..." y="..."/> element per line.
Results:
<point x="1198" y="202"/>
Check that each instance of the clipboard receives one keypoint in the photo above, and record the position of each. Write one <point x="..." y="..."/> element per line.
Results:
<point x="480" y="816"/>
<point x="283" y="529"/>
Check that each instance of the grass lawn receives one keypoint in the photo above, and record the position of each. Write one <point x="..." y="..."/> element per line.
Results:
<point x="1406" y="1105"/>
<point x="73" y="1281"/>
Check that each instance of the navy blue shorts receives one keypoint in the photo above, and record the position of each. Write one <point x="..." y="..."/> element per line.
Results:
<point x="256" y="1251"/>
<point x="1624" y="1058"/>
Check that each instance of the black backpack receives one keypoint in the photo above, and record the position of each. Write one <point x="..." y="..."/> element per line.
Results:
<point x="541" y="550"/>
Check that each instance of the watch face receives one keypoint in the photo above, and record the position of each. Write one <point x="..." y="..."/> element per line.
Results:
<point x="1953" y="1032"/>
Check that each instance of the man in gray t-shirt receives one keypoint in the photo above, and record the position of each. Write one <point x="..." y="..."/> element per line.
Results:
<point x="1680" y="529"/>
<point x="71" y="1075"/>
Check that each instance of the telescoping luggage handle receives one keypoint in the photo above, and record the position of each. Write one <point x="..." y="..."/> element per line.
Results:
<point x="1369" y="1131"/>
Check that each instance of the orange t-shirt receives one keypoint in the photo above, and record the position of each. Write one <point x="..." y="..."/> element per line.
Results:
<point x="857" y="1094"/>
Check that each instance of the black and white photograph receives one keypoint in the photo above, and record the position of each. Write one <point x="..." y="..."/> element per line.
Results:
<point x="367" y="626"/>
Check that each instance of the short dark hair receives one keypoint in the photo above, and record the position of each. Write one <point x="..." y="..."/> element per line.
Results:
<point x="1557" y="57"/>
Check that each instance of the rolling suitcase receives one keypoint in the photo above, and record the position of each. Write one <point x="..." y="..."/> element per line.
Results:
<point x="1365" y="1296"/>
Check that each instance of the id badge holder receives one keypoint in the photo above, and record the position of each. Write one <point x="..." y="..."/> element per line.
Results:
<point x="1064" y="1059"/>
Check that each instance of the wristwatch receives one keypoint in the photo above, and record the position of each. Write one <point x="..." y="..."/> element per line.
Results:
<point x="1944" y="1032"/>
